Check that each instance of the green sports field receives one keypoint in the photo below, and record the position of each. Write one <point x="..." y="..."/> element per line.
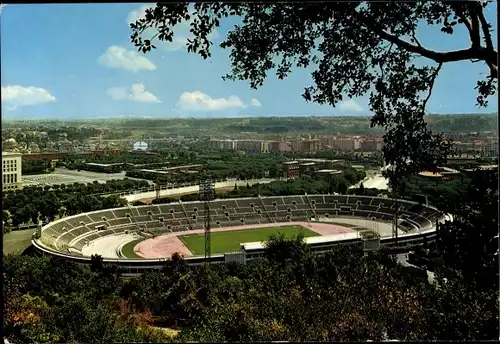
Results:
<point x="16" y="242"/>
<point x="229" y="241"/>
<point x="128" y="249"/>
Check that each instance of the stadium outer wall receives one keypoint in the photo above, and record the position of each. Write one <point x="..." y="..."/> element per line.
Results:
<point x="426" y="233"/>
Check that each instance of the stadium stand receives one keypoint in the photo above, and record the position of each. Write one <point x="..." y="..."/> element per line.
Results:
<point x="70" y="234"/>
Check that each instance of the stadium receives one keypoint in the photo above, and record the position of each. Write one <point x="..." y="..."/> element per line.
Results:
<point x="138" y="238"/>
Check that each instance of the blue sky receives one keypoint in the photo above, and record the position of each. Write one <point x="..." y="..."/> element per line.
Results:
<point x="76" y="60"/>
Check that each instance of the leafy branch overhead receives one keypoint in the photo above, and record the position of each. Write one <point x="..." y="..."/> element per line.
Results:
<point x="356" y="48"/>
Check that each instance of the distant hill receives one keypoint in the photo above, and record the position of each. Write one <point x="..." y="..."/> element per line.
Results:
<point x="271" y="125"/>
<point x="463" y="122"/>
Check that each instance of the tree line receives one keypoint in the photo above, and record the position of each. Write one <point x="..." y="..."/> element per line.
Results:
<point x="33" y="166"/>
<point x="298" y="186"/>
<point x="35" y="203"/>
<point x="290" y="295"/>
<point x="219" y="165"/>
<point x="129" y="159"/>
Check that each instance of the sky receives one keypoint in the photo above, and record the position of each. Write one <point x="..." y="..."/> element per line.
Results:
<point x="76" y="61"/>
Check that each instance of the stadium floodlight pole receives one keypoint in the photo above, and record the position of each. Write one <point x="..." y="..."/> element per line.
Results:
<point x="395" y="193"/>
<point x="157" y="188"/>
<point x="207" y="193"/>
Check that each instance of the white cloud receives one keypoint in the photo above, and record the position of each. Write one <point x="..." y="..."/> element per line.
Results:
<point x="255" y="102"/>
<point x="199" y="101"/>
<point x="119" y="57"/>
<point x="181" y="30"/>
<point x="136" y="93"/>
<point x="14" y="96"/>
<point x="1" y="7"/>
<point x="350" y="105"/>
<point x="138" y="13"/>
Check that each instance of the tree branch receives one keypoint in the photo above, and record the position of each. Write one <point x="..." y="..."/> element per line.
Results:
<point x="431" y="85"/>
<point x="413" y="35"/>
<point x="492" y="64"/>
<point x="485" y="28"/>
<point x="475" y="34"/>
<point x="460" y="13"/>
<point x="489" y="56"/>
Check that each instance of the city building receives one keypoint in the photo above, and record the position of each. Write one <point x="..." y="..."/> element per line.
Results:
<point x="371" y="145"/>
<point x="279" y="146"/>
<point x="307" y="168"/>
<point x="223" y="144"/>
<point x="469" y="147"/>
<point x="299" y="167"/>
<point x="490" y="149"/>
<point x="253" y="146"/>
<point x="463" y="160"/>
<point x="441" y="173"/>
<point x="358" y="167"/>
<point x="324" y="163"/>
<point x="290" y="169"/>
<point x="345" y="144"/>
<point x="471" y="171"/>
<point x="327" y="174"/>
<point x="9" y="144"/>
<point x="297" y="145"/>
<point x="59" y="155"/>
<point x="174" y="170"/>
<point x="105" y="168"/>
<point x="11" y="171"/>
<point x="311" y="145"/>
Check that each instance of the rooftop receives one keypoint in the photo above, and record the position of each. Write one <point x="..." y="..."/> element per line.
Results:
<point x="488" y="167"/>
<point x="448" y="169"/>
<point x="11" y="154"/>
<point x="318" y="160"/>
<point x="103" y="165"/>
<point x="256" y="245"/>
<point x="328" y="171"/>
<point x="430" y="174"/>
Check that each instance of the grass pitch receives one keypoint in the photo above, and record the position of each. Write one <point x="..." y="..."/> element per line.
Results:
<point x="128" y="249"/>
<point x="229" y="241"/>
<point x="16" y="242"/>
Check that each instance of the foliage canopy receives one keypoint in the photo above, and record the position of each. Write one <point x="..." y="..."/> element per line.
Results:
<point x="357" y="48"/>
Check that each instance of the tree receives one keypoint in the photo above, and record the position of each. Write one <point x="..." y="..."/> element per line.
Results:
<point x="273" y="171"/>
<point x="6" y="216"/>
<point x="279" y="249"/>
<point x="339" y="184"/>
<point x="96" y="263"/>
<point x="359" y="49"/>
<point x="361" y="189"/>
<point x="468" y="244"/>
<point x="33" y="213"/>
<point x="26" y="318"/>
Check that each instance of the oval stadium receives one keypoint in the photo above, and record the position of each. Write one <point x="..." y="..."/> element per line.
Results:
<point x="143" y="237"/>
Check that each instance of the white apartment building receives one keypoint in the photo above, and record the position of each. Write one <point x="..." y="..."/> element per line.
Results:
<point x="11" y="171"/>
